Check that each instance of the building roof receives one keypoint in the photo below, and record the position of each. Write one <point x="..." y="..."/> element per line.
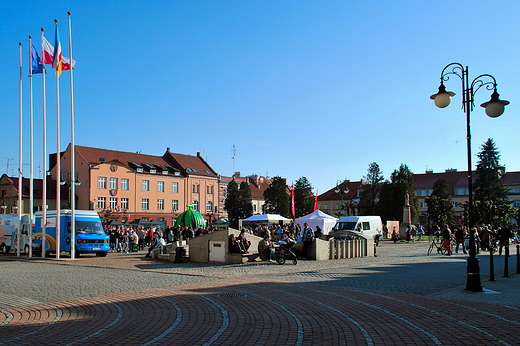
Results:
<point x="352" y="186"/>
<point x="37" y="186"/>
<point x="258" y="185"/>
<point x="191" y="165"/>
<point x="452" y="177"/>
<point x="511" y="178"/>
<point x="96" y="156"/>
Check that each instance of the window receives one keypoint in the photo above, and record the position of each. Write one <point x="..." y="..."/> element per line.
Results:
<point x="422" y="205"/>
<point x="254" y="208"/>
<point x="196" y="205"/>
<point x="124" y="203"/>
<point x="124" y="184"/>
<point x="175" y="204"/>
<point x="516" y="203"/>
<point x="326" y="206"/>
<point x="224" y="191"/>
<point x="209" y="207"/>
<point x="160" y="186"/>
<point x="460" y="191"/>
<point x="113" y="183"/>
<point x="146" y="185"/>
<point x="160" y="204"/>
<point x="101" y="202"/>
<point x="175" y="187"/>
<point x="337" y="205"/>
<point x="102" y="182"/>
<point x="209" y="189"/>
<point x="144" y="203"/>
<point x="195" y="188"/>
<point x="113" y="202"/>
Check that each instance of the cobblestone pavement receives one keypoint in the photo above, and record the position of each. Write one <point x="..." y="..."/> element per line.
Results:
<point x="401" y="297"/>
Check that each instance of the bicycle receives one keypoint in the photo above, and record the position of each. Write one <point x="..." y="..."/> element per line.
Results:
<point x="438" y="245"/>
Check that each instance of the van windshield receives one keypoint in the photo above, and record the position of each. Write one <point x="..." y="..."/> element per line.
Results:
<point x="345" y="226"/>
<point x="89" y="227"/>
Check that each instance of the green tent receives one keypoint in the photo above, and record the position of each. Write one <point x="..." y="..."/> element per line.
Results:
<point x="190" y="218"/>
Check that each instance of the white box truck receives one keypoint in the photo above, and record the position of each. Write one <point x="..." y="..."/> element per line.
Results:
<point x="9" y="232"/>
<point x="368" y="226"/>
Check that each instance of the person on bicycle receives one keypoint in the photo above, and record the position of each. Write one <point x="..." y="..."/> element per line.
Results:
<point x="446" y="239"/>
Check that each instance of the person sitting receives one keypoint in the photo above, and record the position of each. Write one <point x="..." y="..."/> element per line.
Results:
<point x="233" y="245"/>
<point x="158" y="243"/>
<point x="266" y="246"/>
<point x="242" y="240"/>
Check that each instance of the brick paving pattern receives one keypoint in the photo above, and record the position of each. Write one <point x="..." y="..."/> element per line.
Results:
<point x="401" y="297"/>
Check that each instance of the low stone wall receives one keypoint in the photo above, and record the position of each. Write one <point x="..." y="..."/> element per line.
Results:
<point x="350" y="248"/>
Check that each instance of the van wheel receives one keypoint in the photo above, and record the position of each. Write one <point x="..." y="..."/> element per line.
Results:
<point x="102" y="254"/>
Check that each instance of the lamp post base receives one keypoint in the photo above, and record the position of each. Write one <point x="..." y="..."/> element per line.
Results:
<point x="473" y="283"/>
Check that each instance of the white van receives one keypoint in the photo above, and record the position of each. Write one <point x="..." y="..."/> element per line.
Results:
<point x="368" y="226"/>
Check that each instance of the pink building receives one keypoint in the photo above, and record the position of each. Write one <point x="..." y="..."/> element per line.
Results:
<point x="126" y="186"/>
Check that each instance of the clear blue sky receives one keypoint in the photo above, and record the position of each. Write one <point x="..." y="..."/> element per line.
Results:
<point x="318" y="89"/>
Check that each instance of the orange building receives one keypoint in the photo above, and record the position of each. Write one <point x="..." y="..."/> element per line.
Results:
<point x="126" y="186"/>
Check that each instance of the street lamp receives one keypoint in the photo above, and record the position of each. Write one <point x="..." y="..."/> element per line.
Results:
<point x="494" y="108"/>
<point x="342" y="189"/>
<point x="67" y="179"/>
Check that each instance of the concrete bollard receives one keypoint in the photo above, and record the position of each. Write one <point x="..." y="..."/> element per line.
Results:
<point x="506" y="261"/>
<point x="491" y="266"/>
<point x="518" y="259"/>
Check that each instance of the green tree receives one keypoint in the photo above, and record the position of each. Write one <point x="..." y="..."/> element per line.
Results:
<point x="232" y="203"/>
<point x="440" y="205"/>
<point x="277" y="200"/>
<point x="488" y="187"/>
<point x="369" y="196"/>
<point x="303" y="197"/>
<point x="392" y="195"/>
<point x="245" y="201"/>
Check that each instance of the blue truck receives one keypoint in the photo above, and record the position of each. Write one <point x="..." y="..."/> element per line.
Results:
<point x="90" y="236"/>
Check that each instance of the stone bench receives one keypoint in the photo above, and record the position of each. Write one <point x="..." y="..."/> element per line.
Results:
<point x="237" y="258"/>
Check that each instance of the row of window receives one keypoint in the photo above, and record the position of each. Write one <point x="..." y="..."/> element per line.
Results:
<point x="145" y="204"/>
<point x="145" y="185"/>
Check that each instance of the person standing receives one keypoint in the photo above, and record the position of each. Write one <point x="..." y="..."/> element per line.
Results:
<point x="504" y="234"/>
<point x="446" y="237"/>
<point x="459" y="238"/>
<point x="308" y="238"/>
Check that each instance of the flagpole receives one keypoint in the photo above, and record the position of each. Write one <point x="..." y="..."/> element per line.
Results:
<point x="20" y="167"/>
<point x="58" y="158"/>
<point x="31" y="178"/>
<point x="72" y="156"/>
<point x="44" y="188"/>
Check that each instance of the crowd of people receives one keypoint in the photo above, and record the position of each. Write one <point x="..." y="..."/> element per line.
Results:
<point x="127" y="239"/>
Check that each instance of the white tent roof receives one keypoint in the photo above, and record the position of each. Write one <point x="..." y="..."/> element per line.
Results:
<point x="318" y="218"/>
<point x="266" y="218"/>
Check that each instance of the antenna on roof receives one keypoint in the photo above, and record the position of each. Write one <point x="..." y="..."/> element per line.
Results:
<point x="234" y="151"/>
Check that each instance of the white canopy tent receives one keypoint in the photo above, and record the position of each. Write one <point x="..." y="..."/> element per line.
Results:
<point x="318" y="218"/>
<point x="266" y="218"/>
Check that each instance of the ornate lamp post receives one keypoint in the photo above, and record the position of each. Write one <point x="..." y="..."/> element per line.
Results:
<point x="494" y="108"/>
<point x="66" y="178"/>
<point x="342" y="189"/>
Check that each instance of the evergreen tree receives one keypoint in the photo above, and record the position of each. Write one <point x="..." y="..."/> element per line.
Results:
<point x="232" y="203"/>
<point x="277" y="200"/>
<point x="440" y="205"/>
<point x="369" y="196"/>
<point x="488" y="188"/>
<point x="303" y="197"/>
<point x="245" y="201"/>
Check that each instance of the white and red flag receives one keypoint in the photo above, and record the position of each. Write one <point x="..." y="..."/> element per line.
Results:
<point x="48" y="53"/>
